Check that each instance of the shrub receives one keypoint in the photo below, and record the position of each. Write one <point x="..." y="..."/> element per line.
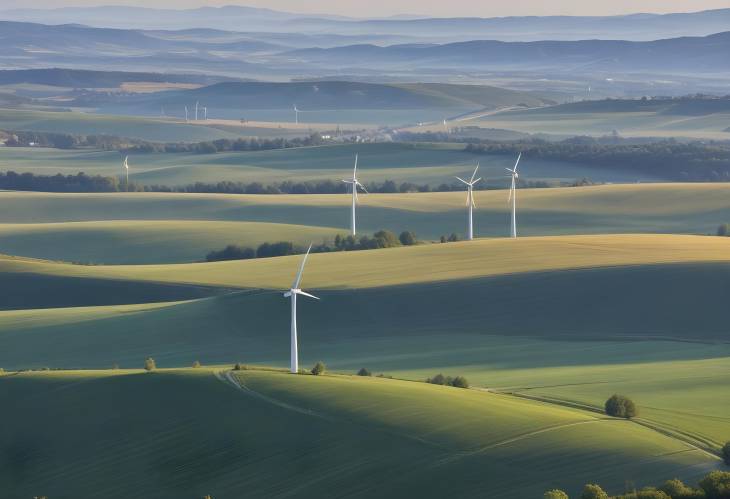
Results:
<point x="723" y="230"/>
<point x="196" y="364"/>
<point x="149" y="364"/>
<point x="439" y="379"/>
<point x="725" y="449"/>
<point x="454" y="237"/>
<point x="645" y="493"/>
<point x="407" y="238"/>
<point x="231" y="252"/>
<point x="238" y="367"/>
<point x="677" y="490"/>
<point x="593" y="491"/>
<point x="364" y="372"/>
<point x="716" y="485"/>
<point x="460" y="382"/>
<point x="319" y="368"/>
<point x="620" y="407"/>
<point x="555" y="494"/>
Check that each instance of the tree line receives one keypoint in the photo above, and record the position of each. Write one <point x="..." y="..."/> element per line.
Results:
<point x="381" y="239"/>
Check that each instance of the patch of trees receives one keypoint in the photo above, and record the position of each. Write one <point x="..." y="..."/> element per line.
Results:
<point x="381" y="239"/>
<point x="696" y="162"/>
<point x="440" y="379"/>
<point x="319" y="368"/>
<point x="620" y="406"/>
<point x="714" y="485"/>
<point x="60" y="183"/>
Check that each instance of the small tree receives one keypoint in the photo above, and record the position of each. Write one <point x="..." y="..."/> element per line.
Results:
<point x="439" y="379"/>
<point x="460" y="382"/>
<point x="555" y="494"/>
<point x="593" y="491"/>
<point x="407" y="238"/>
<point x="723" y="230"/>
<point x="620" y="407"/>
<point x="716" y="485"/>
<point x="196" y="364"/>
<point x="238" y="367"/>
<point x="676" y="489"/>
<point x="149" y="364"/>
<point x="454" y="237"/>
<point x="318" y="368"/>
<point x="725" y="449"/>
<point x="364" y="372"/>
<point x="443" y="239"/>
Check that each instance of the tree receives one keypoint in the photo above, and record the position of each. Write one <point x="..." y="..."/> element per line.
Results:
<point x="555" y="494"/>
<point x="676" y="489"/>
<point x="385" y="239"/>
<point x="725" y="450"/>
<point x="460" y="382"/>
<point x="196" y="364"/>
<point x="723" y="230"/>
<point x="149" y="364"/>
<point x="620" y="406"/>
<point x="443" y="239"/>
<point x="439" y="379"/>
<point x="319" y="368"/>
<point x="407" y="238"/>
<point x="364" y="372"/>
<point x="454" y="237"/>
<point x="238" y="367"/>
<point x="593" y="491"/>
<point x="716" y="485"/>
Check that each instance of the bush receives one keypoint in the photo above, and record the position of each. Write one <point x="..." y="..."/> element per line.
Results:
<point x="454" y="237"/>
<point x="407" y="238"/>
<point x="319" y="368"/>
<point x="238" y="367"/>
<point x="439" y="379"/>
<point x="196" y="364"/>
<point x="460" y="382"/>
<point x="364" y="372"/>
<point x="716" y="485"/>
<point x="593" y="491"/>
<point x="620" y="407"/>
<point x="677" y="490"/>
<point x="555" y="494"/>
<point x="149" y="364"/>
<point x="231" y="252"/>
<point x="723" y="230"/>
<point x="725" y="449"/>
<point x="645" y="493"/>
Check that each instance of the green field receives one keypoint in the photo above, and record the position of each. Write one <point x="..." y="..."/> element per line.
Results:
<point x="174" y="228"/>
<point x="432" y="164"/>
<point x="566" y="121"/>
<point x="186" y="433"/>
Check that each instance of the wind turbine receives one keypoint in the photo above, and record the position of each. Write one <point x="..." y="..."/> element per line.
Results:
<point x="186" y="114"/>
<point x="355" y="184"/>
<point x="446" y="127"/>
<point x="196" y="110"/>
<point x="296" y="114"/>
<point x="513" y="196"/>
<point x="126" y="170"/>
<point x="205" y="113"/>
<point x="292" y="293"/>
<point x="470" y="201"/>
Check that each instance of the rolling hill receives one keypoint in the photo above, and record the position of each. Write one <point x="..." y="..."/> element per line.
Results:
<point x="363" y="436"/>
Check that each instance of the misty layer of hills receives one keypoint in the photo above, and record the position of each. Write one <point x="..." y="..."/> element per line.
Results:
<point x="441" y="30"/>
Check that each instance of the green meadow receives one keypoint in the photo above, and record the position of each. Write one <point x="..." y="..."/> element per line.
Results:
<point x="188" y="433"/>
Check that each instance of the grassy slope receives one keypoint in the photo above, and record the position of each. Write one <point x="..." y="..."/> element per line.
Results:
<point x="422" y="163"/>
<point x="146" y="242"/>
<point x="673" y="208"/>
<point x="372" y="437"/>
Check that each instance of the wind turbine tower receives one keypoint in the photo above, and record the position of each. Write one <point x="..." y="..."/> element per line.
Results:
<point x="205" y="113"/>
<point x="296" y="114"/>
<point x="196" y="110"/>
<point x="186" y="114"/>
<point x="292" y="294"/>
<point x="355" y="184"/>
<point x="470" y="205"/>
<point x="126" y="171"/>
<point x="513" y="196"/>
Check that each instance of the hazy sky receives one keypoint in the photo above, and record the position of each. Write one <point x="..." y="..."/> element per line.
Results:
<point x="374" y="8"/>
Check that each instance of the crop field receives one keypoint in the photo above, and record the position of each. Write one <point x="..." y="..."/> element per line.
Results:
<point x="364" y="436"/>
<point x="432" y="164"/>
<point x="628" y="124"/>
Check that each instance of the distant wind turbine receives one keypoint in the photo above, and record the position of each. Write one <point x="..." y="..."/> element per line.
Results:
<point x="355" y="184"/>
<point x="196" y="110"/>
<point x="446" y="127"/>
<point x="470" y="205"/>
<point x="205" y="113"/>
<point x="296" y="114"/>
<point x="126" y="171"/>
<point x="292" y="293"/>
<point x="513" y="196"/>
<point x="186" y="114"/>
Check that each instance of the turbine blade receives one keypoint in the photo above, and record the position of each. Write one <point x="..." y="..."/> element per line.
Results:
<point x="474" y="174"/>
<point x="301" y="269"/>
<point x="363" y="188"/>
<point x="519" y="156"/>
<point x="354" y="172"/>
<point x="307" y="294"/>
<point x="510" y="194"/>
<point x="511" y="171"/>
<point x="477" y="180"/>
<point x="462" y="180"/>
<point x="287" y="294"/>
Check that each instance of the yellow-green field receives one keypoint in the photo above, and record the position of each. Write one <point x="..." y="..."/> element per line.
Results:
<point x="188" y="433"/>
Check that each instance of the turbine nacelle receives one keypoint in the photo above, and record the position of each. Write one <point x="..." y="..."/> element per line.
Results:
<point x="291" y="292"/>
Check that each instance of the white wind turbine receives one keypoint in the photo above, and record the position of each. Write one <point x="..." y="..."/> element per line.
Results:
<point x="186" y="114"/>
<point x="470" y="205"/>
<point x="196" y="110"/>
<point x="355" y="184"/>
<point x="126" y="171"/>
<point x="513" y="196"/>
<point x="296" y="114"/>
<point x="292" y="293"/>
